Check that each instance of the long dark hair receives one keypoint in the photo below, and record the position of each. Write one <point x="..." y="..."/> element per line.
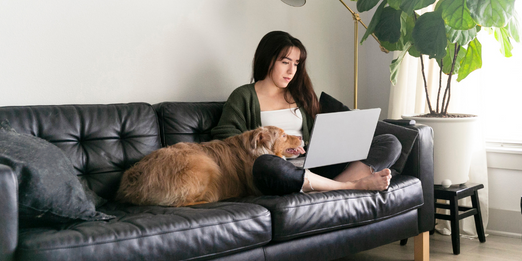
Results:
<point x="275" y="45"/>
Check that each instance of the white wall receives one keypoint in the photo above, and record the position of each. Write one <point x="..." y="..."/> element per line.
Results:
<point x="112" y="51"/>
<point x="505" y="190"/>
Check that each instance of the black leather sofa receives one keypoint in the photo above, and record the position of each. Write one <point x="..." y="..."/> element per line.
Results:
<point x="102" y="141"/>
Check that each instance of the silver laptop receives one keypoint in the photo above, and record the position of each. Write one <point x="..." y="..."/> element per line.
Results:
<point x="339" y="137"/>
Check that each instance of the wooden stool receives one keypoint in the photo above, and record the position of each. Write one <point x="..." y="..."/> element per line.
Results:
<point x="453" y="194"/>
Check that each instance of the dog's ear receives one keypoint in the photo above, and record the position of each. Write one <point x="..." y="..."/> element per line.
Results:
<point x="258" y="136"/>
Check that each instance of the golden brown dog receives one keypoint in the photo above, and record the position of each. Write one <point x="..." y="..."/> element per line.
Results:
<point x="192" y="173"/>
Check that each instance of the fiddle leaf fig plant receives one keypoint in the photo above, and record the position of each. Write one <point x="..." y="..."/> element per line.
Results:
<point x="445" y="30"/>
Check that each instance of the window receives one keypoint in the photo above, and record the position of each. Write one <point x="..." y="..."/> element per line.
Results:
<point x="501" y="82"/>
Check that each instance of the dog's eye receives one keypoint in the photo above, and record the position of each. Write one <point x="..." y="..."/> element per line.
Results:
<point x="284" y="135"/>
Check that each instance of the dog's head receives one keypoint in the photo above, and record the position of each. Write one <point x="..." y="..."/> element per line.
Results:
<point x="274" y="140"/>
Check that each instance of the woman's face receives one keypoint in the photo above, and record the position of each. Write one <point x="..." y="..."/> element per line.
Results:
<point x="285" y="68"/>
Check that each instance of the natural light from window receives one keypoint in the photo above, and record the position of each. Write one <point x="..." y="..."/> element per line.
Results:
<point x="501" y="80"/>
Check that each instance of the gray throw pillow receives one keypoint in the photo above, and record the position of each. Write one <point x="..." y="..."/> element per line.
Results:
<point x="48" y="189"/>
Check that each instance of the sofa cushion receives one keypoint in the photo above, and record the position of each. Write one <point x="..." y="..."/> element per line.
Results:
<point x="48" y="190"/>
<point x="187" y="121"/>
<point x="153" y="233"/>
<point x="102" y="141"/>
<point x="297" y="215"/>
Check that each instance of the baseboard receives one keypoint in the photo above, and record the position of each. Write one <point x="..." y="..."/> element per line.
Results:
<point x="503" y="234"/>
<point x="504" y="222"/>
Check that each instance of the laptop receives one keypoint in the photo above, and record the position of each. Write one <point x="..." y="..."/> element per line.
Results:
<point x="339" y="137"/>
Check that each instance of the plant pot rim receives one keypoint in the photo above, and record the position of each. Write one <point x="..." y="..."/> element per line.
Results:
<point x="470" y="117"/>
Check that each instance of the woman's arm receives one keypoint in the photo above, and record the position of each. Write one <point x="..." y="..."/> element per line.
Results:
<point x="239" y="114"/>
<point x="308" y="122"/>
<point x="231" y="123"/>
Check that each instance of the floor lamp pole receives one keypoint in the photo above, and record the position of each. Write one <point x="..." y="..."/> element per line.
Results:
<point x="355" y="59"/>
<point x="357" y="20"/>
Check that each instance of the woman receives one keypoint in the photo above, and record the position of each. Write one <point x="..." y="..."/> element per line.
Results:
<point x="282" y="95"/>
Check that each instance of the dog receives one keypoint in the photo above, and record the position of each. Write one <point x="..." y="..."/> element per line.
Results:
<point x="187" y="174"/>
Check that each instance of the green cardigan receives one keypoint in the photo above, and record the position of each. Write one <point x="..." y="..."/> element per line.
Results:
<point x="242" y="112"/>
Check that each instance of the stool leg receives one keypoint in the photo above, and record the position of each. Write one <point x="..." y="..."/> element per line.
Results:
<point x="478" y="217"/>
<point x="455" y="229"/>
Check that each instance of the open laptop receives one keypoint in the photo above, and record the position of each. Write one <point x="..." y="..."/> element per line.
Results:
<point x="339" y="137"/>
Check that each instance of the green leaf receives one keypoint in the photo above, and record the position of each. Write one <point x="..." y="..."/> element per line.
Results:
<point x="448" y="59"/>
<point x="414" y="52"/>
<point x="514" y="27"/>
<point x="502" y="36"/>
<point x="456" y="14"/>
<point x="392" y="46"/>
<point x="396" y="64"/>
<point x="395" y="4"/>
<point x="463" y="37"/>
<point x="446" y="66"/>
<point x="407" y="24"/>
<point x="491" y="13"/>
<point x="366" y="5"/>
<point x="389" y="26"/>
<point x="429" y="35"/>
<point x="460" y="56"/>
<point x="472" y="61"/>
<point x="409" y="6"/>
<point x="375" y="20"/>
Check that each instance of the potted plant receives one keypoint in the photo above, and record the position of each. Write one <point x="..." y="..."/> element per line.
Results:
<point x="444" y="30"/>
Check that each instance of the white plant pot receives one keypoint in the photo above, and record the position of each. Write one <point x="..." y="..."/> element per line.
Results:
<point x="454" y="140"/>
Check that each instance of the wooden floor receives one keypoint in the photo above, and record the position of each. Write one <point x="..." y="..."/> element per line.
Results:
<point x="495" y="248"/>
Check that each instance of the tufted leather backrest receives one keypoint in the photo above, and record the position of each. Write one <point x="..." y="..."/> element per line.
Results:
<point x="187" y="121"/>
<point x="102" y="141"/>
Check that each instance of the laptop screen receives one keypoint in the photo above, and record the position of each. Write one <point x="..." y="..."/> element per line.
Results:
<point x="341" y="137"/>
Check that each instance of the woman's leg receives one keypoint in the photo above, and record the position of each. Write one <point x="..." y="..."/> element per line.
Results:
<point x="275" y="176"/>
<point x="384" y="151"/>
<point x="376" y="181"/>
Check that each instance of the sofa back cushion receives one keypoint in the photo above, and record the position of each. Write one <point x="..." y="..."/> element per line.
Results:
<point x="102" y="141"/>
<point x="187" y="121"/>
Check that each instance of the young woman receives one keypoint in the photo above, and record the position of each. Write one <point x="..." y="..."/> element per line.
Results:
<point x="282" y="95"/>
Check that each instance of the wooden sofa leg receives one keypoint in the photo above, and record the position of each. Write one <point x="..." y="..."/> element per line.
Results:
<point x="422" y="247"/>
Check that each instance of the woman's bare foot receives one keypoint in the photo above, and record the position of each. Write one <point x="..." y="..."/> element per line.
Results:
<point x="375" y="181"/>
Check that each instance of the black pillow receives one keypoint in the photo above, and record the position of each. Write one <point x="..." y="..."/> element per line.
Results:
<point x="48" y="189"/>
<point x="405" y="135"/>
<point x="330" y="104"/>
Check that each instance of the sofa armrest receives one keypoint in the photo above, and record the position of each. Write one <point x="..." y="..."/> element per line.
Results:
<point x="420" y="165"/>
<point x="8" y="212"/>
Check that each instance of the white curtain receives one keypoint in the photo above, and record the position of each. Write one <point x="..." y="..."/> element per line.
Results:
<point x="407" y="97"/>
